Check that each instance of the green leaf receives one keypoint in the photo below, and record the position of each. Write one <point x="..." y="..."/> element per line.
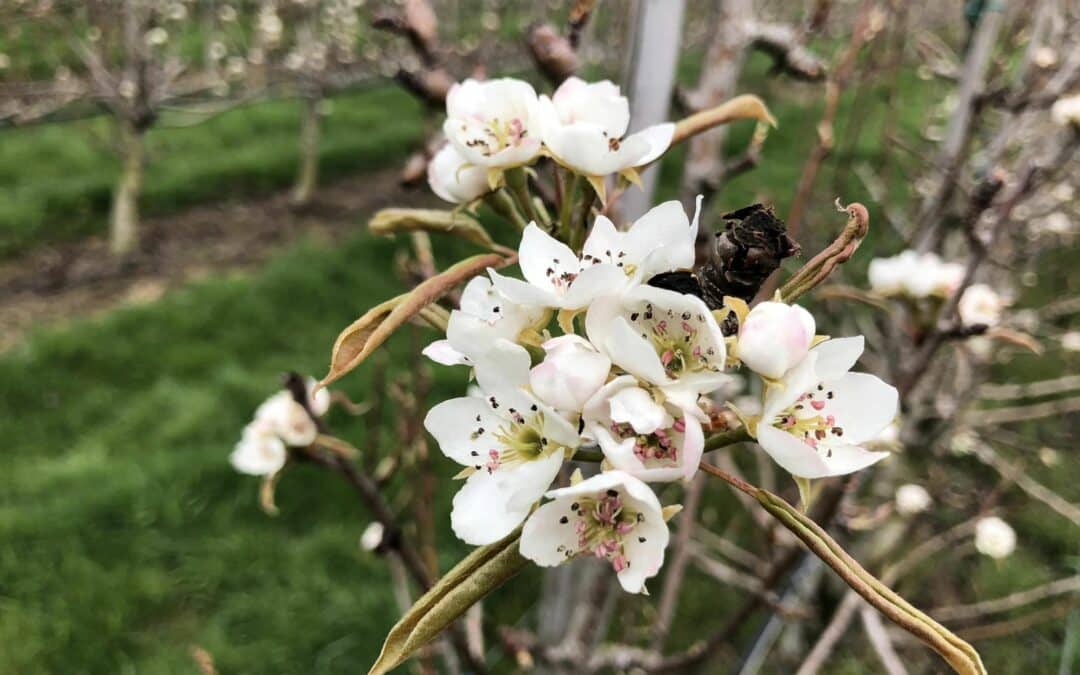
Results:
<point x="392" y="221"/>
<point x="481" y="572"/>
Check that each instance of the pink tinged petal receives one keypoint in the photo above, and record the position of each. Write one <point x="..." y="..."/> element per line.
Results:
<point x="693" y="446"/>
<point x="570" y="374"/>
<point x="441" y="352"/>
<point x="774" y="337"/>
<point x="837" y="356"/>
<point x="455" y="425"/>
<point x="619" y="452"/>
<point x="861" y="404"/>
<point x="657" y="139"/>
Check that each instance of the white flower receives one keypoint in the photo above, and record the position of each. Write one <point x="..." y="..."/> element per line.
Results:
<point x="912" y="499"/>
<point x="642" y="437"/>
<point x="372" y="537"/>
<point x="668" y="339"/>
<point x="1070" y="341"/>
<point x="964" y="442"/>
<point x="612" y="516"/>
<point x="288" y="419"/>
<point x="260" y="451"/>
<point x="583" y="126"/>
<point x="318" y="400"/>
<point x="813" y="422"/>
<point x="492" y="123"/>
<point x="662" y="240"/>
<point x="980" y="304"/>
<point x="554" y="276"/>
<point x="157" y="36"/>
<point x="485" y="321"/>
<point x="775" y="336"/>
<point x="1066" y="111"/>
<point x="918" y="275"/>
<point x="994" y="537"/>
<point x="570" y="374"/>
<point x="453" y="179"/>
<point x="514" y="446"/>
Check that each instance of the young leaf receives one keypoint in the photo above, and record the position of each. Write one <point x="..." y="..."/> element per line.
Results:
<point x="457" y="223"/>
<point x="367" y="333"/>
<point x="483" y="570"/>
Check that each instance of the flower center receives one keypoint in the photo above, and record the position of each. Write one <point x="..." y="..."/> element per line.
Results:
<point x="602" y="524"/>
<point x="497" y="134"/>
<point x="613" y="257"/>
<point x="679" y="340"/>
<point x="658" y="449"/>
<point x="521" y="439"/>
<point x="809" y="420"/>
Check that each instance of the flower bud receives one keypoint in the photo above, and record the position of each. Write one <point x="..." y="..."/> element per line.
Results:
<point x="912" y="499"/>
<point x="570" y="374"/>
<point x="994" y="537"/>
<point x="453" y="180"/>
<point x="980" y="304"/>
<point x="774" y="337"/>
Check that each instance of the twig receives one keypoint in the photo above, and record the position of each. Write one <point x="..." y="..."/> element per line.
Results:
<point x="1023" y="413"/>
<point x="1063" y="586"/>
<point x="1002" y="628"/>
<point x="999" y="392"/>
<point x="879" y="639"/>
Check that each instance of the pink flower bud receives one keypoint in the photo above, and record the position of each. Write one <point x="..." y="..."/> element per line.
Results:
<point x="774" y="337"/>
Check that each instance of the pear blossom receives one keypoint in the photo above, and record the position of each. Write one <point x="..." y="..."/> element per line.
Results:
<point x="570" y="374"/>
<point x="512" y="446"/>
<point x="813" y="422"/>
<point x="641" y="436"/>
<point x="912" y="499"/>
<point x="612" y="516"/>
<point x="554" y="275"/>
<point x="260" y="452"/>
<point x="1070" y="341"/>
<point x="372" y="537"/>
<point x="662" y="240"/>
<point x="492" y="124"/>
<point x="667" y="339"/>
<point x="775" y="336"/>
<point x="980" y="304"/>
<point x="484" y="319"/>
<point x="994" y="537"/>
<point x="288" y="419"/>
<point x="918" y="275"/>
<point x="584" y="127"/>
<point x="453" y="179"/>
<point x="1066" y="110"/>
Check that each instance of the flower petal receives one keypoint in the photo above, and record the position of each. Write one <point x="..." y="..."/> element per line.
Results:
<point x="440" y="351"/>
<point x="799" y="459"/>
<point x="454" y="424"/>
<point x="837" y="356"/>
<point x="548" y="537"/>
<point x="863" y="405"/>
<point x="634" y="353"/>
<point x="522" y="292"/>
<point x="657" y="138"/>
<point x="644" y="549"/>
<point x="481" y="511"/>
<point x="540" y="256"/>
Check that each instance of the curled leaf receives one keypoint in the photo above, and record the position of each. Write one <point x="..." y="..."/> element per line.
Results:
<point x="367" y="333"/>
<point x="742" y="107"/>
<point x="457" y="223"/>
<point x="483" y="570"/>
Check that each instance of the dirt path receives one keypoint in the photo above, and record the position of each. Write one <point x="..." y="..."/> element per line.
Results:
<point x="58" y="283"/>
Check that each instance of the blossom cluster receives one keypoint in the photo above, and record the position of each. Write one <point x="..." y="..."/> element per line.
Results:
<point x="919" y="276"/>
<point x="501" y="124"/>
<point x="280" y="423"/>
<point x="632" y="373"/>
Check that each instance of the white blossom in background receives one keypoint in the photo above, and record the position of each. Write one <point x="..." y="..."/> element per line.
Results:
<point x="280" y="423"/>
<point x="1070" y="341"/>
<point x="980" y="304"/>
<point x="775" y="336"/>
<point x="995" y="538"/>
<point x="647" y="439"/>
<point x="453" y="179"/>
<point x="372" y="536"/>
<point x="155" y="37"/>
<point x="570" y="374"/>
<point x="612" y="516"/>
<point x="918" y="275"/>
<point x="964" y="442"/>
<point x="512" y="447"/>
<point x="815" y="421"/>
<point x="1066" y="111"/>
<point x="584" y="127"/>
<point x="493" y="123"/>
<point x="912" y="499"/>
<point x="260" y="452"/>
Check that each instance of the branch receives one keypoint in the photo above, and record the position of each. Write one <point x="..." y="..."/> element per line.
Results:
<point x="1063" y="586"/>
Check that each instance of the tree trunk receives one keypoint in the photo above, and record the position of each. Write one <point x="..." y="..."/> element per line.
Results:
<point x="719" y="78"/>
<point x="650" y="83"/>
<point x="124" y="218"/>
<point x="310" y="129"/>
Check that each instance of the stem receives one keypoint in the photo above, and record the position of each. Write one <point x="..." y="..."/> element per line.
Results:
<point x="566" y="208"/>
<point x="502" y="203"/>
<point x="518" y="182"/>
<point x="308" y="177"/>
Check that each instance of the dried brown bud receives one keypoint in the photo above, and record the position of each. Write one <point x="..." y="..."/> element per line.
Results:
<point x="554" y="56"/>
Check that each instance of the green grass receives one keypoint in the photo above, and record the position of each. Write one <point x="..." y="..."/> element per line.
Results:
<point x="56" y="180"/>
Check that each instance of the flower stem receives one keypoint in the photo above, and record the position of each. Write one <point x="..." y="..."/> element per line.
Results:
<point x="518" y="183"/>
<point x="566" y="209"/>
<point x="502" y="203"/>
<point x="726" y="438"/>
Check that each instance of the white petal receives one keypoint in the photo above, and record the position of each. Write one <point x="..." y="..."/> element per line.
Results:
<point x="837" y="356"/>
<point x="527" y="483"/>
<point x="522" y="292"/>
<point x="634" y="353"/>
<point x="258" y="453"/>
<point x="570" y="374"/>
<point x="635" y="406"/>
<point x="799" y="459"/>
<point x="545" y="539"/>
<point x="646" y="557"/>
<point x="799" y="380"/>
<point x="503" y="366"/>
<point x="481" y="513"/>
<point x="453" y="423"/>
<point x="539" y="253"/>
<point x="693" y="446"/>
<point x="662" y="237"/>
<point x="862" y="404"/>
<point x="657" y="138"/>
<point x="440" y="351"/>
<point x="592" y="283"/>
<point x="603" y="239"/>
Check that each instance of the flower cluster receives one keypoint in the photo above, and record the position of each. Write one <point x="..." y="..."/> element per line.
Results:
<point x="631" y="371"/>
<point x="496" y="125"/>
<point x="280" y="423"/>
<point x="918" y="276"/>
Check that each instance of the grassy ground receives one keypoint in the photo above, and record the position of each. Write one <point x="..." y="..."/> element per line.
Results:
<point x="125" y="537"/>
<point x="56" y="180"/>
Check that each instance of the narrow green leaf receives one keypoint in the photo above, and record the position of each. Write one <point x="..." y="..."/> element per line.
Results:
<point x="479" y="573"/>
